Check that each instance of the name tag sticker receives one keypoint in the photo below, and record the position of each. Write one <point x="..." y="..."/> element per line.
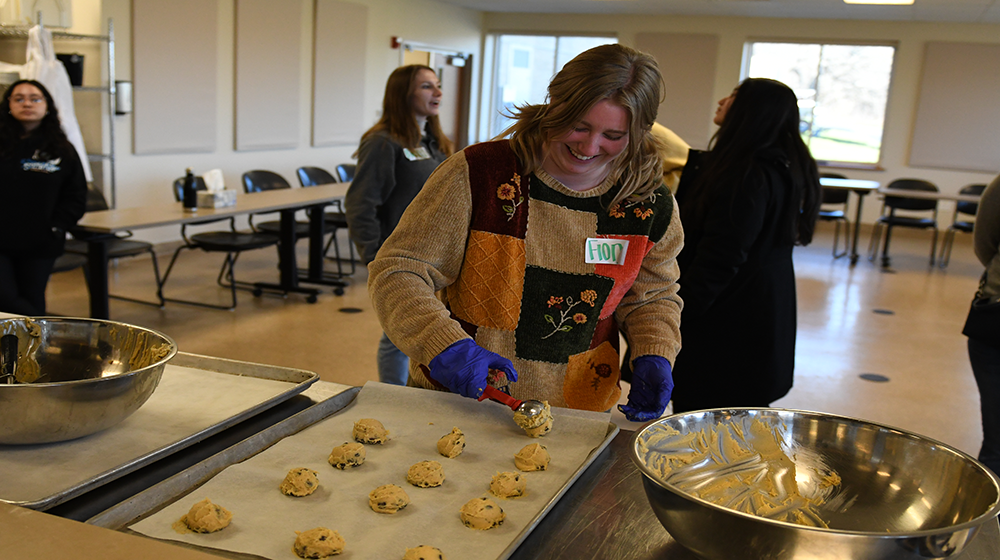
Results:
<point x="606" y="251"/>
<point x="416" y="154"/>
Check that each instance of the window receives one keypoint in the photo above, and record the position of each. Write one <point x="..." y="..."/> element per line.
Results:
<point x="842" y="92"/>
<point x="523" y="67"/>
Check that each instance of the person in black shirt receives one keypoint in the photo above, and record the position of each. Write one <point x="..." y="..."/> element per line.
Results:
<point x="43" y="192"/>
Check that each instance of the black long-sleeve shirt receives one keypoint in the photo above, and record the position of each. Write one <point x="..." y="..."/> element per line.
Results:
<point x="41" y="196"/>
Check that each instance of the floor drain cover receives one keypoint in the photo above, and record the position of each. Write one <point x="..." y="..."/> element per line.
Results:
<point x="349" y="310"/>
<point x="884" y="311"/>
<point x="874" y="377"/>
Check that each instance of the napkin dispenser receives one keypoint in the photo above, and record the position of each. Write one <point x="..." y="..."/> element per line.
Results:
<point x="216" y="194"/>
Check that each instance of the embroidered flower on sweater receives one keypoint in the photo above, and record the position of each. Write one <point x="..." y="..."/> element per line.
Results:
<point x="586" y="296"/>
<point x="509" y="192"/>
<point x="616" y="212"/>
<point x="640" y="213"/>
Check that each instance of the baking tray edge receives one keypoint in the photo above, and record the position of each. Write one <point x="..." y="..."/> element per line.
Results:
<point x="301" y="378"/>
<point x="156" y="497"/>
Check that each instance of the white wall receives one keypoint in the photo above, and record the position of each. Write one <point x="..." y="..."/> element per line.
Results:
<point x="910" y="39"/>
<point x="146" y="179"/>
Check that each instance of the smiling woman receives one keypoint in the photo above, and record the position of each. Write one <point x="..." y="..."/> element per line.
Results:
<point x="545" y="244"/>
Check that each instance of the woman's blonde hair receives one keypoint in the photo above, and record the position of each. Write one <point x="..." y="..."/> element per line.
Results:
<point x="397" y="114"/>
<point x="618" y="73"/>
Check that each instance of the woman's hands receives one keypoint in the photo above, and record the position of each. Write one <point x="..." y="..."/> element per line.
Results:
<point x="651" y="388"/>
<point x="464" y="366"/>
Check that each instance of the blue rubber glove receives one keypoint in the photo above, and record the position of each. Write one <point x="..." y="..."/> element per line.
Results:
<point x="464" y="366"/>
<point x="651" y="388"/>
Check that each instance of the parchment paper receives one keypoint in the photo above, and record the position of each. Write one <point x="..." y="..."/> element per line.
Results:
<point x="265" y="521"/>
<point x="186" y="401"/>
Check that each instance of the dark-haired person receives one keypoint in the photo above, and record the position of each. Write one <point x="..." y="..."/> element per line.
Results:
<point x="745" y="203"/>
<point x="43" y="192"/>
<point x="395" y="158"/>
<point x="546" y="243"/>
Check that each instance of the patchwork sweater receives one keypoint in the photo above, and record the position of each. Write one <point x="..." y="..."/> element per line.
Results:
<point x="509" y="252"/>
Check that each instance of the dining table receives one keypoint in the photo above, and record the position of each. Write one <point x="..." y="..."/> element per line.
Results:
<point x="861" y="188"/>
<point x="104" y="224"/>
<point x="919" y="195"/>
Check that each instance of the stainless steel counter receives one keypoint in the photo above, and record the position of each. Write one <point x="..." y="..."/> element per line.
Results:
<point x="605" y="515"/>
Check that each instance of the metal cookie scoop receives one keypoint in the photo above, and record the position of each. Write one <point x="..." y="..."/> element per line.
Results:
<point x="530" y="408"/>
<point x="497" y="390"/>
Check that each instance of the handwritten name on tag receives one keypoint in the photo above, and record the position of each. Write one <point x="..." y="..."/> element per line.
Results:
<point x="606" y="251"/>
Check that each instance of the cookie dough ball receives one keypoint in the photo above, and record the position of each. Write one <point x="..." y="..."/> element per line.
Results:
<point x="351" y="454"/>
<point x="423" y="552"/>
<point x="425" y="474"/>
<point x="452" y="444"/>
<point x="299" y="482"/>
<point x="370" y="430"/>
<point x="538" y="425"/>
<point x="482" y="514"/>
<point x="532" y="457"/>
<point x="318" y="543"/>
<point x="388" y="498"/>
<point x="206" y="517"/>
<point x="508" y="485"/>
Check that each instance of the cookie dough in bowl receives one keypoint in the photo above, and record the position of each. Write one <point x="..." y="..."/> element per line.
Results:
<point x="532" y="457"/>
<point x="423" y="552"/>
<point x="299" y="482"/>
<point x="425" y="474"/>
<point x="482" y="514"/>
<point x="351" y="454"/>
<point x="371" y="431"/>
<point x="452" y="444"/>
<point x="535" y="426"/>
<point x="388" y="498"/>
<point x="318" y="543"/>
<point x="508" y="485"/>
<point x="206" y="517"/>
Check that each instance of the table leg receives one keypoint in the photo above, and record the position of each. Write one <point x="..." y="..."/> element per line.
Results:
<point x="314" y="273"/>
<point x="857" y="227"/>
<point x="97" y="277"/>
<point x="287" y="265"/>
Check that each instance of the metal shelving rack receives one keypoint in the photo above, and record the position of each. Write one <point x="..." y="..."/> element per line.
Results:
<point x="21" y="32"/>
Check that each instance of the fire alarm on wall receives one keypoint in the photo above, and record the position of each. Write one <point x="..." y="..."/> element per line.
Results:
<point x="396" y="42"/>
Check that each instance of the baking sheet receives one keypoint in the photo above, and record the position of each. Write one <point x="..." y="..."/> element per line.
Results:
<point x="197" y="397"/>
<point x="265" y="521"/>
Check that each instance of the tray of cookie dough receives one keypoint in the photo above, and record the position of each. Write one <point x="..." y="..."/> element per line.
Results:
<point x="396" y="498"/>
<point x="197" y="397"/>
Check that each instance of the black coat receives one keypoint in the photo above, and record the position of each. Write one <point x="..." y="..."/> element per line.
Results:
<point x="41" y="196"/>
<point x="738" y="286"/>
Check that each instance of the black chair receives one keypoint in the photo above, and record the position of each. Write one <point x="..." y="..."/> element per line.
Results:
<point x="69" y="261"/>
<point x="966" y="209"/>
<point x="894" y="204"/>
<point x="345" y="172"/>
<point x="260" y="180"/>
<point x="333" y="220"/>
<point x="835" y="198"/>
<point x="119" y="246"/>
<point x="231" y="242"/>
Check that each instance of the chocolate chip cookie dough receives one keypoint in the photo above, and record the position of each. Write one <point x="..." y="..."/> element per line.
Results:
<point x="351" y="454"/>
<point x="532" y="457"/>
<point x="423" y="552"/>
<point x="206" y="517"/>
<point x="452" y="444"/>
<point x="388" y="498"/>
<point x="299" y="482"/>
<point x="508" y="485"/>
<point x="482" y="514"/>
<point x="318" y="543"/>
<point x="370" y="430"/>
<point x="425" y="474"/>
<point x="538" y="425"/>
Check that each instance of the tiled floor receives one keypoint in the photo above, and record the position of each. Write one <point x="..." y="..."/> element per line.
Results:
<point x="904" y="325"/>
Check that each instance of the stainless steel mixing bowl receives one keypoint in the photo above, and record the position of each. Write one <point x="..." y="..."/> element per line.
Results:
<point x="93" y="375"/>
<point x="902" y="496"/>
